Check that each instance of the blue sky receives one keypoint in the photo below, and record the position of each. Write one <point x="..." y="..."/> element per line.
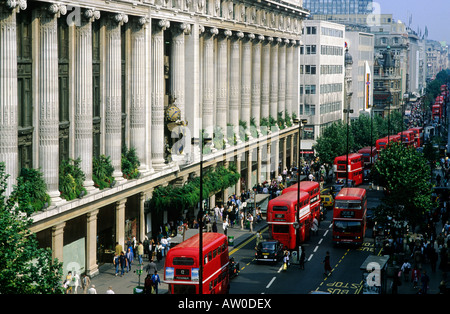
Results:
<point x="435" y="14"/>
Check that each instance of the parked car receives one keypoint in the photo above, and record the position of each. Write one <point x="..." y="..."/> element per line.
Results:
<point x="269" y="251"/>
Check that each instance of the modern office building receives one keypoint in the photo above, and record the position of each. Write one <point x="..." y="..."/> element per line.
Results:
<point x="81" y="79"/>
<point x="321" y="77"/>
<point x="333" y="7"/>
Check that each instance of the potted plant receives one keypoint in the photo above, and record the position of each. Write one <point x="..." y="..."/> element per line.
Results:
<point x="31" y="191"/>
<point x="102" y="171"/>
<point x="71" y="179"/>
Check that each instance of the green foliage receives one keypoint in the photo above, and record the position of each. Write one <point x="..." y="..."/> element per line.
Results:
<point x="102" y="171"/>
<point x="287" y="119"/>
<point x="218" y="138"/>
<point x="31" y="191"/>
<point x="173" y="198"/>
<point x="231" y="135"/>
<point x="281" y="121"/>
<point x="71" y="179"/>
<point x="25" y="268"/>
<point x="130" y="163"/>
<point x="253" y="128"/>
<point x="333" y="142"/>
<point x="405" y="174"/>
<point x="243" y="131"/>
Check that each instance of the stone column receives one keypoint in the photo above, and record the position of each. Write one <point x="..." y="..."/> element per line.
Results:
<point x="249" y="169"/>
<point x="295" y="77"/>
<point x="283" y="159"/>
<point x="238" y="170"/>
<point x="158" y="93"/>
<point x="177" y="77"/>
<point x="268" y="161"/>
<point x="246" y="79"/>
<point x="58" y="241"/>
<point x="265" y="77"/>
<point x="273" y="97"/>
<point x="141" y="216"/>
<point x="91" y="243"/>
<point x="256" y="81"/>
<point x="259" y="164"/>
<point x="138" y="89"/>
<point x="83" y="140"/>
<point x="120" y="222"/>
<point x="282" y="78"/>
<point x="289" y="77"/>
<point x="113" y="92"/>
<point x="48" y="99"/>
<point x="8" y="93"/>
<point x="235" y="85"/>
<point x="222" y="83"/>
<point x="276" y="161"/>
<point x="208" y="81"/>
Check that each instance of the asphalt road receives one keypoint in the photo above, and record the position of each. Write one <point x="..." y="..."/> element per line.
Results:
<point x="346" y="276"/>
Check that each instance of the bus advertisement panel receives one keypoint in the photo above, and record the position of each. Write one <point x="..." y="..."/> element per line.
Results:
<point x="181" y="267"/>
<point x="282" y="218"/>
<point x="349" y="216"/>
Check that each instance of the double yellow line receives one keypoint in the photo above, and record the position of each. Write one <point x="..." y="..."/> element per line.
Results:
<point x="246" y="242"/>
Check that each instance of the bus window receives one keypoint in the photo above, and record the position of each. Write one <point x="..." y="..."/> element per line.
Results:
<point x="347" y="226"/>
<point x="280" y="229"/>
<point x="183" y="261"/>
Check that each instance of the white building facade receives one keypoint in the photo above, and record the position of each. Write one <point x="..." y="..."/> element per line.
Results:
<point x="322" y="77"/>
<point x="79" y="79"/>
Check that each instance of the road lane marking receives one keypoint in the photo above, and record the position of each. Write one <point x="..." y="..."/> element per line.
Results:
<point x="246" y="242"/>
<point x="310" y="257"/>
<point x="320" y="241"/>
<point x="271" y="282"/>
<point x="326" y="232"/>
<point x="316" y="248"/>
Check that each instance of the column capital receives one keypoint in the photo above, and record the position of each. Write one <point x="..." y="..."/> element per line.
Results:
<point x="91" y="14"/>
<point x="239" y="35"/>
<point x="57" y="9"/>
<point x="119" y="18"/>
<point x="163" y="24"/>
<point x="181" y="27"/>
<point x="15" y="4"/>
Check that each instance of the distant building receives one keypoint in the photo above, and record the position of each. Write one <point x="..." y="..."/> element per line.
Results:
<point x="333" y="7"/>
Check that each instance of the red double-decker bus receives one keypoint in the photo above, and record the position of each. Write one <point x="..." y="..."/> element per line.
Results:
<point x="408" y="138"/>
<point x="349" y="216"/>
<point x="418" y="136"/>
<point x="369" y="154"/>
<point x="181" y="267"/>
<point x="381" y="144"/>
<point x="355" y="168"/>
<point x="313" y="189"/>
<point x="282" y="218"/>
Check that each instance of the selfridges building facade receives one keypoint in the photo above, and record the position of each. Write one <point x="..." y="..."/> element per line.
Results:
<point x="84" y="79"/>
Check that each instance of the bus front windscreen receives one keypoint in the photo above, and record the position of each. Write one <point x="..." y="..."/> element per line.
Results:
<point x="342" y="226"/>
<point x="347" y="204"/>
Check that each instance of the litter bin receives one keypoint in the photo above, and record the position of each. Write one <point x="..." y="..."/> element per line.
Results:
<point x="138" y="290"/>
<point x="230" y="240"/>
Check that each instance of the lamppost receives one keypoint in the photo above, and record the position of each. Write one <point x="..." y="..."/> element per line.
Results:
<point x="201" y="142"/>
<point x="348" y="60"/>
<point x="347" y="111"/>
<point x="300" y="124"/>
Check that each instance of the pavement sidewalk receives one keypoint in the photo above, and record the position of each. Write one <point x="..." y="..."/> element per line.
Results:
<point x="127" y="283"/>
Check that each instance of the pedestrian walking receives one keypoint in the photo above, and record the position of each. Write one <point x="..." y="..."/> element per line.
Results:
<point x="116" y="262"/>
<point x="67" y="282"/>
<point x="406" y="268"/>
<point x="302" y="257"/>
<point x="156" y="281"/>
<point x="151" y="267"/>
<point x="285" y="260"/>
<point x="140" y="252"/>
<point x="250" y="220"/>
<point x="148" y="284"/>
<point x="425" y="282"/>
<point x="327" y="264"/>
<point x="123" y="263"/>
<point x="129" y="256"/>
<point x="225" y="226"/>
<point x="415" y="276"/>
<point x="85" y="283"/>
<point x="92" y="290"/>
<point x="315" y="226"/>
<point x="110" y="290"/>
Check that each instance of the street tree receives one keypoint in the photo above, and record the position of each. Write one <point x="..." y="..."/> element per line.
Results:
<point x="25" y="268"/>
<point x="405" y="175"/>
